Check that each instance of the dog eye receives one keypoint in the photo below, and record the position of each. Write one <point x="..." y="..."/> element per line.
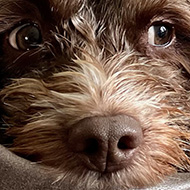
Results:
<point x="25" y="37"/>
<point x="160" y="35"/>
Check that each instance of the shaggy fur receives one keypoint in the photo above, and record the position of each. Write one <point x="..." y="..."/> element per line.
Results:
<point x="96" y="60"/>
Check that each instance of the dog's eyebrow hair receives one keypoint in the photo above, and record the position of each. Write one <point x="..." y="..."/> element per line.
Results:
<point x="65" y="8"/>
<point x="42" y="4"/>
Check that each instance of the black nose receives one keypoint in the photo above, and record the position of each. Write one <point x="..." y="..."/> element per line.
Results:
<point x="106" y="144"/>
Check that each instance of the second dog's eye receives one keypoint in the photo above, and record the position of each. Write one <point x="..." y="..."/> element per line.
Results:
<point x="25" y="37"/>
<point x="160" y="35"/>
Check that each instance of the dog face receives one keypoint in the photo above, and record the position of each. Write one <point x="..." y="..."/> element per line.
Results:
<point x="101" y="88"/>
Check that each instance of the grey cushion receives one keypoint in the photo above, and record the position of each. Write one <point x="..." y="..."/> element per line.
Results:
<point x="19" y="174"/>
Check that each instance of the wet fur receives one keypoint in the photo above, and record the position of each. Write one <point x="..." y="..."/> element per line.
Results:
<point x="95" y="61"/>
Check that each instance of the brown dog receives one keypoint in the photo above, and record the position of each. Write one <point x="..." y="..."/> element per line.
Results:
<point x="101" y="88"/>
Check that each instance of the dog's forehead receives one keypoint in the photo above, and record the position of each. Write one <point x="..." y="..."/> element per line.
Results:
<point x="65" y="8"/>
<point x="127" y="11"/>
<point x="137" y="5"/>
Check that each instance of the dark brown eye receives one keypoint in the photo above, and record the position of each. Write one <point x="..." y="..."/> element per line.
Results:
<point x="160" y="35"/>
<point x="25" y="37"/>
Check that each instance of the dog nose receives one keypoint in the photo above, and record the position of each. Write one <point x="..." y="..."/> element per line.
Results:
<point x="106" y="144"/>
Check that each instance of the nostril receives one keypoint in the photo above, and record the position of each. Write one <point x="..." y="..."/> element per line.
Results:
<point x="126" y="142"/>
<point x="92" y="146"/>
<point x="106" y="144"/>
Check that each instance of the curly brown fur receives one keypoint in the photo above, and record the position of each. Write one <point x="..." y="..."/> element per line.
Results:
<point x="95" y="60"/>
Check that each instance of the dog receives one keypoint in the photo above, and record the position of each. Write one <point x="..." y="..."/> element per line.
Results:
<point x="97" y="90"/>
